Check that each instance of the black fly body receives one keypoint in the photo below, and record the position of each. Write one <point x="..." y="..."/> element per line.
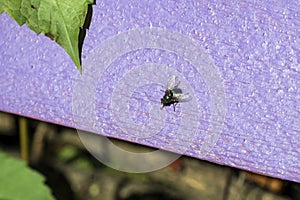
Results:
<point x="173" y="95"/>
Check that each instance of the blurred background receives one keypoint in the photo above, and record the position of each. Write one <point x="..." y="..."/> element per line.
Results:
<point x="73" y="174"/>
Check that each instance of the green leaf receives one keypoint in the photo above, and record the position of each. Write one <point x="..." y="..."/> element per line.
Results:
<point x="60" y="20"/>
<point x="19" y="182"/>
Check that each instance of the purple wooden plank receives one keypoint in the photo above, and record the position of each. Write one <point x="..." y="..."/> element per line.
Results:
<point x="238" y="60"/>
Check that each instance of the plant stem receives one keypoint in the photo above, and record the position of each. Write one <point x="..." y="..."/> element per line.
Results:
<point x="23" y="131"/>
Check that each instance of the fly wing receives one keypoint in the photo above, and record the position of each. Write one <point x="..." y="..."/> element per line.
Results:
<point x="173" y="82"/>
<point x="182" y="97"/>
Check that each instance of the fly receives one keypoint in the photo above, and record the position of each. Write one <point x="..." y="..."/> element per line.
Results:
<point x="173" y="95"/>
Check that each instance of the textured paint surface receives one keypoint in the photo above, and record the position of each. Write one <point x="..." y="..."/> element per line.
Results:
<point x="254" y="47"/>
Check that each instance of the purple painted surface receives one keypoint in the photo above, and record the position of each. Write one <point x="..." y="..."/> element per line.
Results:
<point x="246" y="51"/>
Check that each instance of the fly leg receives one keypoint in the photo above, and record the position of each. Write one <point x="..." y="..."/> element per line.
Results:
<point x="174" y="105"/>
